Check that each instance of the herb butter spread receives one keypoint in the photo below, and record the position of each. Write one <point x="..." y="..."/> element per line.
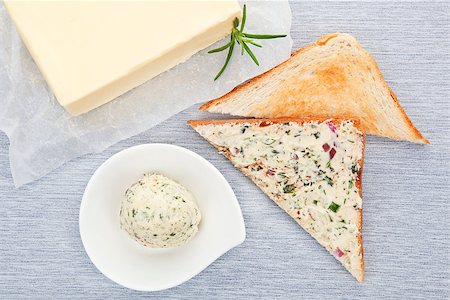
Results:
<point x="159" y="212"/>
<point x="309" y="169"/>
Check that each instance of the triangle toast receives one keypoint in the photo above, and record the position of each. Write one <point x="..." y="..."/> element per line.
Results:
<point x="334" y="76"/>
<point x="311" y="168"/>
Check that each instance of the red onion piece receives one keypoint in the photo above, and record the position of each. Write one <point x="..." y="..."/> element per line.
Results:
<point x="339" y="252"/>
<point x="332" y="153"/>
<point x="270" y="172"/>
<point x="331" y="126"/>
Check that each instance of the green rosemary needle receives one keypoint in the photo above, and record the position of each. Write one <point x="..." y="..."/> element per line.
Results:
<point x="244" y="39"/>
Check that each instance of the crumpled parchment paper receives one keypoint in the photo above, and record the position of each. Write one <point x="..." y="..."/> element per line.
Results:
<point x="43" y="136"/>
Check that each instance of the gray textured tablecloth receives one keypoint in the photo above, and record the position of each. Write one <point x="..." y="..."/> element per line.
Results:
<point x="406" y="187"/>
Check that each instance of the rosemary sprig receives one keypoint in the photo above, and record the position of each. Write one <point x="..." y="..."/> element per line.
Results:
<point x="244" y="39"/>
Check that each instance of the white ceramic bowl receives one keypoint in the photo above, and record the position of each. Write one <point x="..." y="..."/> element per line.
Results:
<point x="128" y="263"/>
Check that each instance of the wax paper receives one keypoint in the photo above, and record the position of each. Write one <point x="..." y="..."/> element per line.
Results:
<point x="43" y="136"/>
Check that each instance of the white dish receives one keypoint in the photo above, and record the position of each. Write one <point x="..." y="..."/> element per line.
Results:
<point x="126" y="262"/>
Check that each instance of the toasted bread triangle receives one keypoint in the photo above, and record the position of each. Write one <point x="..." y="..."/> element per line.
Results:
<point x="310" y="168"/>
<point x="334" y="76"/>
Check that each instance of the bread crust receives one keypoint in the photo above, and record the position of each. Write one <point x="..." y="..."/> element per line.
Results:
<point x="355" y="121"/>
<point x="270" y="121"/>
<point x="359" y="186"/>
<point x="415" y="135"/>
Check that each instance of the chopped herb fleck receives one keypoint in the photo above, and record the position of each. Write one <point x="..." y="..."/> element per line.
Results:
<point x="315" y="202"/>
<point x="269" y="141"/>
<point x="288" y="188"/>
<point x="317" y="135"/>
<point x="282" y="174"/>
<point x="350" y="184"/>
<point x="334" y="207"/>
<point x="328" y="180"/>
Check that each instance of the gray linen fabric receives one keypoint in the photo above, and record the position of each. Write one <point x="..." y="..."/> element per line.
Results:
<point x="406" y="186"/>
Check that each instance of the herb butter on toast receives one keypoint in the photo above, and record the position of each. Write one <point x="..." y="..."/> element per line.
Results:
<point x="311" y="168"/>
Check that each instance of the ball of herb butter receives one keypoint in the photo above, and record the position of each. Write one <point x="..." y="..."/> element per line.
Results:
<point x="158" y="212"/>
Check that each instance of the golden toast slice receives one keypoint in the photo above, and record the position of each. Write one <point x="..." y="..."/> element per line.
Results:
<point x="334" y="76"/>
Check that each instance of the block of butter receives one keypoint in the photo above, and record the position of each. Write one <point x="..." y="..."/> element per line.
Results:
<point x="90" y="52"/>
